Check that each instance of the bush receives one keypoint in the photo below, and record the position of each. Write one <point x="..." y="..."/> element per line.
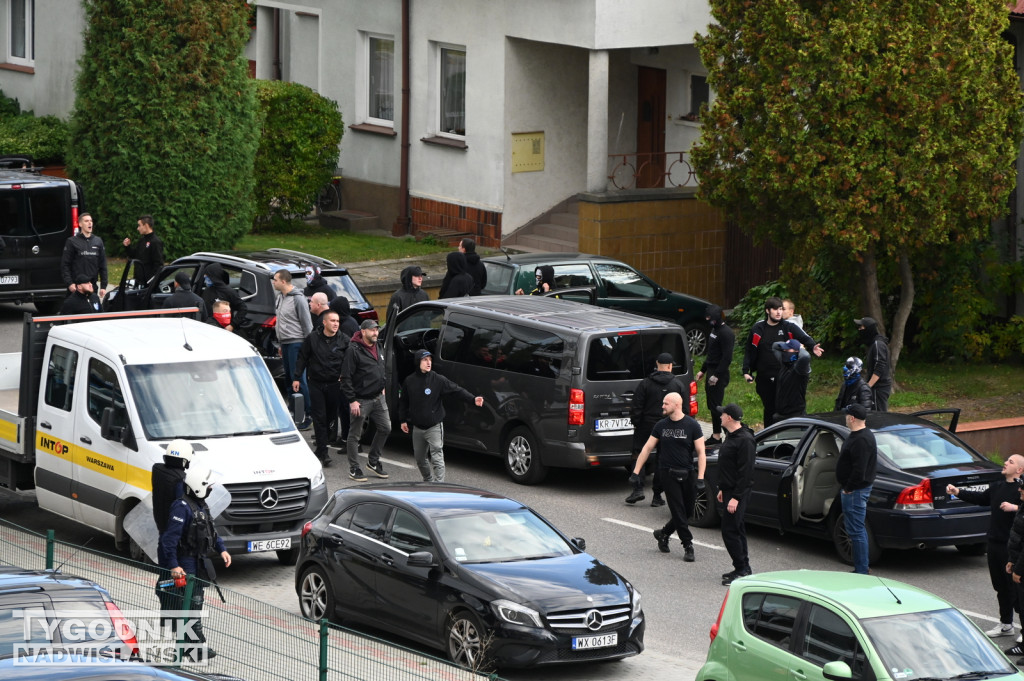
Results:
<point x="44" y="139"/>
<point x="751" y="308"/>
<point x="298" y="149"/>
<point x="165" y="120"/>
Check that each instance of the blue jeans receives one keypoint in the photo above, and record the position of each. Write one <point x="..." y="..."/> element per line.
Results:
<point x="855" y="509"/>
<point x="289" y="354"/>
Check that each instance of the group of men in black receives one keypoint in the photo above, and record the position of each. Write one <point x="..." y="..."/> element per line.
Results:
<point x="778" y="352"/>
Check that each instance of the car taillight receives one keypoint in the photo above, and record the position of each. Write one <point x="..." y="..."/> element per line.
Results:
<point x="718" y="623"/>
<point x="122" y="628"/>
<point x="307" y="527"/>
<point x="369" y="314"/>
<point x="270" y="323"/>
<point x="916" y="498"/>
<point x="693" y="398"/>
<point x="74" y="220"/>
<point x="575" y="407"/>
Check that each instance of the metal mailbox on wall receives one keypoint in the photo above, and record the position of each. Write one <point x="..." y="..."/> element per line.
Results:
<point x="527" y="152"/>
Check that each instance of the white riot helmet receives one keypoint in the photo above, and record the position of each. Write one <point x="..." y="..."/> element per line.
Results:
<point x="199" y="480"/>
<point x="181" y="450"/>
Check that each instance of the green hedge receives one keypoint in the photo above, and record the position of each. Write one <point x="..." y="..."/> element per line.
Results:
<point x="298" y="149"/>
<point x="45" y="139"/>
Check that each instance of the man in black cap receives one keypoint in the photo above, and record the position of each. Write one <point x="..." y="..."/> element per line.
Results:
<point x="855" y="473"/>
<point x="183" y="295"/>
<point x="877" y="367"/>
<point x="410" y="293"/>
<point x="735" y="480"/>
<point x="362" y="384"/>
<point x="721" y="342"/>
<point x="420" y="404"/>
<point x="83" y="300"/>
<point x="645" y="411"/>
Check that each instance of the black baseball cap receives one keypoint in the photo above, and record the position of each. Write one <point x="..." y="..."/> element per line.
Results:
<point x="857" y="411"/>
<point x="665" y="358"/>
<point x="369" y="324"/>
<point x="732" y="409"/>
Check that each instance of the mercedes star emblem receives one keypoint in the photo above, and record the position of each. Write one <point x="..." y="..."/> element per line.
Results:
<point x="269" y="497"/>
<point x="594" y="620"/>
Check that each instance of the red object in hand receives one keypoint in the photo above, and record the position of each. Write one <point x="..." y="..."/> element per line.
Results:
<point x="179" y="581"/>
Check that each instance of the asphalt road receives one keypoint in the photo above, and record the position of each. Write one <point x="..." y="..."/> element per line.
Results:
<point x="681" y="600"/>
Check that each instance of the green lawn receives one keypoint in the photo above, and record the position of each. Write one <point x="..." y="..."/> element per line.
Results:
<point x="341" y="247"/>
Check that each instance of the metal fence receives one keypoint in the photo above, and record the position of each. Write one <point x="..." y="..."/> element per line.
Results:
<point x="254" y="641"/>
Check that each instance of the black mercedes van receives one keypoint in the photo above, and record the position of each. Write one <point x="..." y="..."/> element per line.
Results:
<point x="37" y="215"/>
<point x="557" y="377"/>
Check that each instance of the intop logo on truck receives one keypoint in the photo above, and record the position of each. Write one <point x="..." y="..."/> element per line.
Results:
<point x="51" y="445"/>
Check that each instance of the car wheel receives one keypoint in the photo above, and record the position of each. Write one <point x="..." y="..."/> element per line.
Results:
<point x="288" y="556"/>
<point x="705" y="509"/>
<point x="522" y="457"/>
<point x="697" y="338"/>
<point x="316" y="597"/>
<point x="972" y="549"/>
<point x="466" y="640"/>
<point x="841" y="540"/>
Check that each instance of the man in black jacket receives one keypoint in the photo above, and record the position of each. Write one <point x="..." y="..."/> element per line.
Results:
<point x="149" y="251"/>
<point x="322" y="356"/>
<point x="457" y="280"/>
<point x="183" y="295"/>
<point x="759" y="358"/>
<point x="1002" y="497"/>
<point x="855" y="473"/>
<point x="853" y="389"/>
<point x="877" y="367"/>
<point x="362" y="383"/>
<point x="349" y="324"/>
<point x="84" y="253"/>
<point x="645" y="411"/>
<point x="83" y="300"/>
<point x="420" y="404"/>
<point x="735" y="480"/>
<point x="721" y="342"/>
<point x="217" y="287"/>
<point x="315" y="283"/>
<point x="411" y="292"/>
<point x="474" y="266"/>
<point x="791" y="383"/>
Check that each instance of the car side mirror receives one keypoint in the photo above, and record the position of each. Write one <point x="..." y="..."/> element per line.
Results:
<point x="580" y="543"/>
<point x="122" y="434"/>
<point x="298" y="404"/>
<point x="837" y="671"/>
<point x="420" y="559"/>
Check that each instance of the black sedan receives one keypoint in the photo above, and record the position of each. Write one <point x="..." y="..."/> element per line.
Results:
<point x="795" y="488"/>
<point x="471" y="572"/>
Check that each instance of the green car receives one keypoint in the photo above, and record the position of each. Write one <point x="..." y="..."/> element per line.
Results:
<point x="811" y="625"/>
<point x="611" y="283"/>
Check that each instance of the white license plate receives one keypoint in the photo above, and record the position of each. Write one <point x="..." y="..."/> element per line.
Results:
<point x="588" y="642"/>
<point x="9" y="279"/>
<point x="270" y="545"/>
<point x="613" y="424"/>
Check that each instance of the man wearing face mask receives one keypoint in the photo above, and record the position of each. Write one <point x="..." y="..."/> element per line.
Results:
<point x="877" y="367"/>
<point x="545" y="278"/>
<point x="721" y="342"/>
<point x="216" y="287"/>
<point x="184" y="297"/>
<point x="791" y="383"/>
<point x="221" y="316"/>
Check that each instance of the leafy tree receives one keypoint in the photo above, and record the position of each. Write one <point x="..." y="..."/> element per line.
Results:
<point x="880" y="128"/>
<point x="165" y="120"/>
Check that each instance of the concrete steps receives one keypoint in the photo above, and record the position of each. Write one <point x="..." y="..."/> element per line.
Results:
<point x="556" y="231"/>
<point x="349" y="221"/>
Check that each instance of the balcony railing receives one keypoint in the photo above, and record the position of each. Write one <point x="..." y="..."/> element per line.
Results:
<point x="664" y="170"/>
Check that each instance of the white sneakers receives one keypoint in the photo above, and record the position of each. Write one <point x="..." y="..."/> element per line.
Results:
<point x="1002" y="630"/>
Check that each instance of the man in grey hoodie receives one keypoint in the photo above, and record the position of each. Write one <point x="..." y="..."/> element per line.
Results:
<point x="292" y="327"/>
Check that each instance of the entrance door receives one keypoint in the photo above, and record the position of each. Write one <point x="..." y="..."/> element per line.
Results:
<point x="650" y="128"/>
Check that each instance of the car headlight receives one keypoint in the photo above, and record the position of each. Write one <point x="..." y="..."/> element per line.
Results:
<point x="636" y="603"/>
<point x="318" y="479"/>
<point x="514" y="613"/>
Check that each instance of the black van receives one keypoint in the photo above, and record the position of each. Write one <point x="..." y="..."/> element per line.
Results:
<point x="37" y="215"/>
<point x="557" y="377"/>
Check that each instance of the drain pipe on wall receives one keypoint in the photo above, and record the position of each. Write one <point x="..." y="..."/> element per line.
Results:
<point x="401" y="226"/>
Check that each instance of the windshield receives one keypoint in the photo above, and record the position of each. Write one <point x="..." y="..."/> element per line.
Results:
<point x="217" y="398"/>
<point x="492" y="537"/>
<point x="919" y="447"/>
<point x="941" y="644"/>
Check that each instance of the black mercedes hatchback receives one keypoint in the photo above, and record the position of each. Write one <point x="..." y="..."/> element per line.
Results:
<point x="474" y="573"/>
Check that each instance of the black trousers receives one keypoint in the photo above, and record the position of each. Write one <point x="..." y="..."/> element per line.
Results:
<point x="324" y="399"/>
<point x="1002" y="582"/>
<point x="880" y="396"/>
<point x="715" y="396"/>
<point x="766" y="391"/>
<point x="734" y="533"/>
<point x="679" y="496"/>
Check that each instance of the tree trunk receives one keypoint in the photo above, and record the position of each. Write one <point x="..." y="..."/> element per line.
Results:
<point x="871" y="301"/>
<point x="899" y="322"/>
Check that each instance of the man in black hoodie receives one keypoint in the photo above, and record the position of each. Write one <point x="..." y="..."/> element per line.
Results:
<point x="545" y="278"/>
<point x="735" y="480"/>
<point x="411" y="292"/>
<point x="457" y="280"/>
<point x="362" y="384"/>
<point x="721" y="342"/>
<point x="322" y="356"/>
<point x="791" y="383"/>
<point x="216" y="287"/>
<point x="645" y="411"/>
<point x="315" y="283"/>
<point x="854" y="389"/>
<point x="877" y="367"/>
<point x="420" y="404"/>
<point x="349" y="324"/>
<point x="83" y="300"/>
<point x="183" y="295"/>
<point x="474" y="266"/>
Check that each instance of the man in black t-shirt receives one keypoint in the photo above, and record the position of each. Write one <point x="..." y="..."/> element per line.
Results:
<point x="855" y="472"/>
<point x="677" y="437"/>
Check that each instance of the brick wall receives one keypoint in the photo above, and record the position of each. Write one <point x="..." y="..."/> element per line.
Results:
<point x="676" y="240"/>
<point x="429" y="216"/>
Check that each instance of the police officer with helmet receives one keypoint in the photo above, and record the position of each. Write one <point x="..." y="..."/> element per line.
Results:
<point x="188" y="540"/>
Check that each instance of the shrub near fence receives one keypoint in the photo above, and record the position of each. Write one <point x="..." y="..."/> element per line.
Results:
<point x="254" y="641"/>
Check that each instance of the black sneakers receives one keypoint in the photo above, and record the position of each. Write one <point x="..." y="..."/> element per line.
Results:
<point x="688" y="553"/>
<point x="729" y="577"/>
<point x="356" y="474"/>
<point x="658" y="500"/>
<point x="635" y="496"/>
<point x="662" y="540"/>
<point x="378" y="469"/>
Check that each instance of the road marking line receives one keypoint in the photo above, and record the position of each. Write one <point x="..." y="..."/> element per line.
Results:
<point x="392" y="462"/>
<point x="651" y="530"/>
<point x="978" y="616"/>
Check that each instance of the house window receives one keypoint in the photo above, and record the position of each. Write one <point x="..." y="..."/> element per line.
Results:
<point x="380" y="80"/>
<point x="21" y="41"/>
<point x="452" y="89"/>
<point x="698" y="95"/>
